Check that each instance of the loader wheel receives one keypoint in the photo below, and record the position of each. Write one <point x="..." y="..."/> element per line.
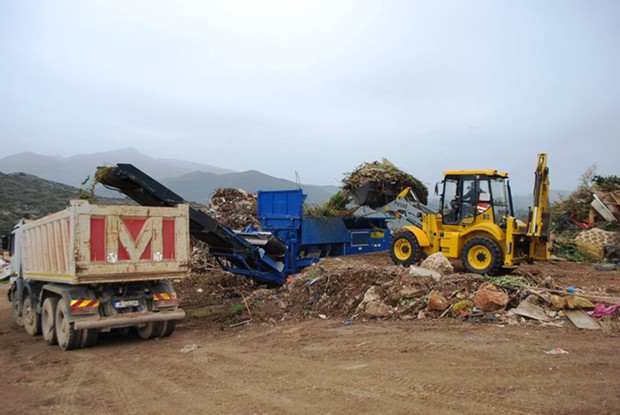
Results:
<point x="32" y="319"/>
<point x="151" y="330"/>
<point x="404" y="248"/>
<point x="48" y="317"/>
<point x="482" y="256"/>
<point x="68" y="337"/>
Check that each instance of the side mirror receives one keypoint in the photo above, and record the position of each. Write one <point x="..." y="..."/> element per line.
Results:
<point x="437" y="189"/>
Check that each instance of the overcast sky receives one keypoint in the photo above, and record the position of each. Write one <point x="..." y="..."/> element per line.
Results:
<point x="318" y="87"/>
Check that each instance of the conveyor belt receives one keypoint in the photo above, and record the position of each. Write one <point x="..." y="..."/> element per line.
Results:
<point x="233" y="252"/>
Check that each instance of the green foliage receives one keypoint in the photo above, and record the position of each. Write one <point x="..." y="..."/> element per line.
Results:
<point x="509" y="282"/>
<point x="236" y="309"/>
<point x="27" y="196"/>
<point x="335" y="206"/>
<point x="384" y="173"/>
<point x="607" y="183"/>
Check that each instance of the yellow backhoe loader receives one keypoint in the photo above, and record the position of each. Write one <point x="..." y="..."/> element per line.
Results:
<point x="475" y="222"/>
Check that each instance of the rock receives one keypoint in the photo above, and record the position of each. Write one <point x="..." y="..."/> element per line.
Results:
<point x="377" y="309"/>
<point x="282" y="305"/>
<point x="372" y="304"/>
<point x="489" y="300"/>
<point x="437" y="302"/>
<point x="424" y="273"/>
<point x="374" y="293"/>
<point x="438" y="262"/>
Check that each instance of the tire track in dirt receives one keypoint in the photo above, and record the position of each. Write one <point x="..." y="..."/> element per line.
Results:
<point x="68" y="395"/>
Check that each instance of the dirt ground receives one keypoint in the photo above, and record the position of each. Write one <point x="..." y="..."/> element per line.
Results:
<point x="429" y="366"/>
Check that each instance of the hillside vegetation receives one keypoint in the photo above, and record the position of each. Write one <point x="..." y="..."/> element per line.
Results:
<point x="24" y="195"/>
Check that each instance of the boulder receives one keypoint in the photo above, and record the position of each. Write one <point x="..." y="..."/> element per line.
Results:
<point x="372" y="304"/>
<point x="438" y="262"/>
<point x="420" y="272"/>
<point x="377" y="309"/>
<point x="437" y="302"/>
<point x="489" y="300"/>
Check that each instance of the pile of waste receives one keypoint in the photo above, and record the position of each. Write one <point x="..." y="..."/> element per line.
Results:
<point x="343" y="290"/>
<point x="377" y="183"/>
<point x="235" y="208"/>
<point x="586" y="224"/>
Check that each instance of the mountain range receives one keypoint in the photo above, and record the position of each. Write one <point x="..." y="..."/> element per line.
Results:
<point x="193" y="181"/>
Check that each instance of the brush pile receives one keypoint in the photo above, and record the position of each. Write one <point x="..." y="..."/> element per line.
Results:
<point x="377" y="183"/>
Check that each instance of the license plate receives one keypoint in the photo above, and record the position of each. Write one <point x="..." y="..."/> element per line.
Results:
<point x="126" y="303"/>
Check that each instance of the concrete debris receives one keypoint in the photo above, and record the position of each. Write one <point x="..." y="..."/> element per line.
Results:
<point x="593" y="241"/>
<point x="420" y="272"/>
<point x="438" y="262"/>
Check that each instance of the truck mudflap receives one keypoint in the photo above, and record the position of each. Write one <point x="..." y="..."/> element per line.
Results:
<point x="127" y="319"/>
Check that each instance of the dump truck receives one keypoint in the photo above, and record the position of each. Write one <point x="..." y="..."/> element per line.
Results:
<point x="93" y="268"/>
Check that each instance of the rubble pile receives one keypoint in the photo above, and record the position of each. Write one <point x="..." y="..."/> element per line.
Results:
<point x="235" y="208"/>
<point x="586" y="224"/>
<point x="337" y="289"/>
<point x="384" y="180"/>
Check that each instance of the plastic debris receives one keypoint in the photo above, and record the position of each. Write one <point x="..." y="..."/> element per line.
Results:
<point x="189" y="348"/>
<point x="601" y="310"/>
<point x="558" y="351"/>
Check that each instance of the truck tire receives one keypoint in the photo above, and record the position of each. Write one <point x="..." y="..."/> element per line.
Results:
<point x="48" y="320"/>
<point x="31" y="319"/>
<point x="68" y="337"/>
<point x="482" y="255"/>
<point x="404" y="248"/>
<point x="17" y="315"/>
<point x="89" y="337"/>
<point x="169" y="327"/>
<point x="151" y="330"/>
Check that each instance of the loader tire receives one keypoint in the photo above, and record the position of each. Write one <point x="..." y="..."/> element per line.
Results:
<point x="68" y="337"/>
<point x="404" y="248"/>
<point x="151" y="330"/>
<point x="31" y="319"/>
<point x="48" y="320"/>
<point x="482" y="255"/>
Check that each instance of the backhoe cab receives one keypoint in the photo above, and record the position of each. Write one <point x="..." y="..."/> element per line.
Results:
<point x="476" y="222"/>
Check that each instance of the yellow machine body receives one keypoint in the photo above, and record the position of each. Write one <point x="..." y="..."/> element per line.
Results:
<point x="483" y="232"/>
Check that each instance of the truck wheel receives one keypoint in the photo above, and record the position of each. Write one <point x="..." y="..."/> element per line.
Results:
<point x="89" y="337"/>
<point x="482" y="255"/>
<point x="32" y="319"/>
<point x="151" y="330"/>
<point x="404" y="248"/>
<point x="68" y="337"/>
<point x="48" y="316"/>
<point x="17" y="315"/>
<point x="169" y="327"/>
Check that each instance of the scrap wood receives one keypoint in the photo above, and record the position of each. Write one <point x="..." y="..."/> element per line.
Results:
<point x="601" y="299"/>
<point x="581" y="319"/>
<point x="530" y="310"/>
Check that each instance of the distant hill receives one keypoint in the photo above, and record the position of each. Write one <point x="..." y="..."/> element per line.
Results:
<point x="24" y="195"/>
<point x="198" y="186"/>
<point x="73" y="170"/>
